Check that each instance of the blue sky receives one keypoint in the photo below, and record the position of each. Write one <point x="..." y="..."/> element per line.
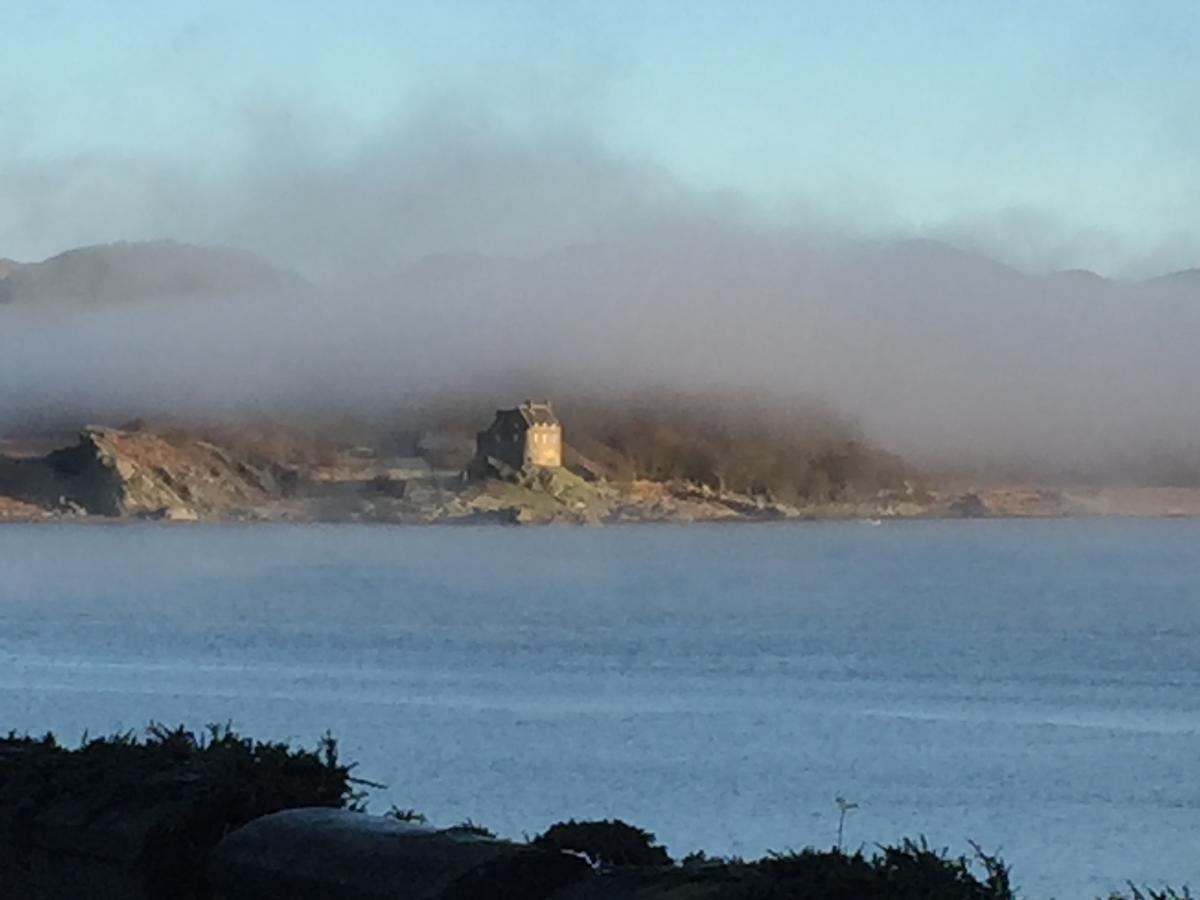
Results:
<point x="1055" y="123"/>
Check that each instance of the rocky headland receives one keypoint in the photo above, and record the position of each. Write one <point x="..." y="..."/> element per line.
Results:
<point x="140" y="473"/>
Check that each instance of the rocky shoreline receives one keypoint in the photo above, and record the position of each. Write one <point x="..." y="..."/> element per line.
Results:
<point x="114" y="475"/>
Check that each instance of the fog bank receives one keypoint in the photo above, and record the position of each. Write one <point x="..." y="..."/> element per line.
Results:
<point x="450" y="255"/>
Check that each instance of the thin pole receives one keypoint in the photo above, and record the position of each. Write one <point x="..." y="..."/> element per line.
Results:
<point x="843" y="808"/>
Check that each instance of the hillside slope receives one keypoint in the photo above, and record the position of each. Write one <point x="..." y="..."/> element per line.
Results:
<point x="153" y="270"/>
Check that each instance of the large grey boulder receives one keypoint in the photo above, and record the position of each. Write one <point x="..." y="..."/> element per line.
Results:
<point x="332" y="854"/>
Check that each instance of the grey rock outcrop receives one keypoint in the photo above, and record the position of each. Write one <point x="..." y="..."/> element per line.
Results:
<point x="316" y="854"/>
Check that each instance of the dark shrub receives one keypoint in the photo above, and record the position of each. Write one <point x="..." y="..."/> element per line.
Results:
<point x="607" y="843"/>
<point x="410" y="816"/>
<point x="910" y="871"/>
<point x="1167" y="893"/>
<point x="472" y="827"/>
<point x="202" y="787"/>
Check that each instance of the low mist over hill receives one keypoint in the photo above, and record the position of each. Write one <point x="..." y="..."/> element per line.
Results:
<point x="949" y="359"/>
<point x="152" y="270"/>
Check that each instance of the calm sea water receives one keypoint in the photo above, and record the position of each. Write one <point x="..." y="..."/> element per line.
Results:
<point x="1032" y="686"/>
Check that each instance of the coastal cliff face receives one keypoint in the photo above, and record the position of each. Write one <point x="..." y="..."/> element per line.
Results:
<point x="137" y="474"/>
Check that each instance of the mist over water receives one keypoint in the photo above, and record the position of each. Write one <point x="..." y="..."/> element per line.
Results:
<point x="451" y="252"/>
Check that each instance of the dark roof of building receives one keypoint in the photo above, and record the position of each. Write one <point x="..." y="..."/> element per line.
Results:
<point x="528" y="414"/>
<point x="537" y="413"/>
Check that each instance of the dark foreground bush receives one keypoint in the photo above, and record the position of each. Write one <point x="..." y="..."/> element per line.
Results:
<point x="172" y="796"/>
<point x="606" y="844"/>
<point x="192" y="789"/>
<point x="1166" y="893"/>
<point x="910" y="871"/>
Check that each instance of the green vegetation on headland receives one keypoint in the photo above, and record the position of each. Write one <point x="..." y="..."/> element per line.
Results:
<point x="155" y="808"/>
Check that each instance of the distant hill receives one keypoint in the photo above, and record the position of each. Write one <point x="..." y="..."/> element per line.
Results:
<point x="154" y="270"/>
<point x="1183" y="278"/>
<point x="1083" y="276"/>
